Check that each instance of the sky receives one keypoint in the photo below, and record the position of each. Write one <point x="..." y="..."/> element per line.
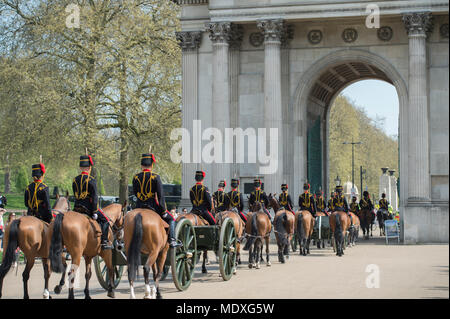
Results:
<point x="377" y="98"/>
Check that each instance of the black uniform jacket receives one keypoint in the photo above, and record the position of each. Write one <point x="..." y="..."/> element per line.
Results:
<point x="148" y="189"/>
<point x="236" y="200"/>
<point x="37" y="200"/>
<point x="200" y="197"/>
<point x="85" y="191"/>
<point x="222" y="201"/>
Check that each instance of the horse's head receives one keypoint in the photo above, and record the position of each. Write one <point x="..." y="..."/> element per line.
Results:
<point x="62" y="204"/>
<point x="273" y="202"/>
<point x="255" y="207"/>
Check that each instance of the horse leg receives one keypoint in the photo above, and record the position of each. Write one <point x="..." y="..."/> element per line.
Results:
<point x="87" y="276"/>
<point x="76" y="258"/>
<point x="107" y="257"/>
<point x="267" y="251"/>
<point x="47" y="272"/>
<point x="258" y="244"/>
<point x="59" y="287"/>
<point x="205" y="257"/>
<point x="26" y="275"/>
<point x="250" y="257"/>
<point x="159" y="267"/>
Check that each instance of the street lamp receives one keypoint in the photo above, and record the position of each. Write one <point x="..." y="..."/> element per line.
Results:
<point x="353" y="160"/>
<point x="363" y="175"/>
<point x="337" y="181"/>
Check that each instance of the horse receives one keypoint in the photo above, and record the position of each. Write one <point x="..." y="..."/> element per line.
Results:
<point x="354" y="232"/>
<point x="29" y="233"/>
<point x="366" y="217"/>
<point x="258" y="226"/>
<point x="239" y="227"/>
<point x="284" y="227"/>
<point x="81" y="236"/>
<point x="324" y="230"/>
<point x="382" y="216"/>
<point x="304" y="227"/>
<point x="145" y="232"/>
<point x="339" y="224"/>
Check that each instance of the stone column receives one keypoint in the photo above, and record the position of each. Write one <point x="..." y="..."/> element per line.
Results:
<point x="189" y="43"/>
<point x="273" y="31"/>
<point x="220" y="35"/>
<point x="417" y="25"/>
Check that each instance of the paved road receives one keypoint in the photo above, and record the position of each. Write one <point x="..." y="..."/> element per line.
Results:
<point x="420" y="271"/>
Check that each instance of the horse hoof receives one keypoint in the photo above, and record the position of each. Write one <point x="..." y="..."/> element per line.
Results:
<point x="57" y="290"/>
<point x="258" y="266"/>
<point x="250" y="266"/>
<point x="204" y="271"/>
<point x="269" y="264"/>
<point x="111" y="294"/>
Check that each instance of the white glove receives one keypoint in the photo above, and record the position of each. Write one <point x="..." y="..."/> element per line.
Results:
<point x="95" y="216"/>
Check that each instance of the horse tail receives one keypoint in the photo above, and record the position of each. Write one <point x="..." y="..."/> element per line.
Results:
<point x="300" y="228"/>
<point x="10" y="252"/>
<point x="56" y="245"/>
<point x="134" y="251"/>
<point x="338" y="229"/>
<point x="254" y="232"/>
<point x="280" y="223"/>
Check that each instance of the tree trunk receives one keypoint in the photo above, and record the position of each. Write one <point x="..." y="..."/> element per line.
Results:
<point x="7" y="176"/>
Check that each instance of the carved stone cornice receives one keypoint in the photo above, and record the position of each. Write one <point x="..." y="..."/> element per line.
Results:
<point x="418" y="23"/>
<point x="219" y="32"/>
<point x="189" y="40"/>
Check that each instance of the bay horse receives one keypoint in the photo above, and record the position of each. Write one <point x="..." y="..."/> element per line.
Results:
<point x="258" y="227"/>
<point x="284" y="227"/>
<point x="81" y="236"/>
<point x="366" y="217"/>
<point x="304" y="228"/>
<point x="339" y="224"/>
<point x="145" y="232"/>
<point x="239" y="227"/>
<point x="354" y="232"/>
<point x="30" y="234"/>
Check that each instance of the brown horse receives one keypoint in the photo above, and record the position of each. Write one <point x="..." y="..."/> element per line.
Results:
<point x="145" y="232"/>
<point x="304" y="227"/>
<point x="29" y="233"/>
<point x="354" y="231"/>
<point x="284" y="227"/>
<point x="367" y="218"/>
<point x="339" y="224"/>
<point x="239" y="227"/>
<point x="258" y="227"/>
<point x="81" y="236"/>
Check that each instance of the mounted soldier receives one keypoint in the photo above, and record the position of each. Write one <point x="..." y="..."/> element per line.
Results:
<point x="84" y="188"/>
<point x="236" y="199"/>
<point x="340" y="202"/>
<point x="201" y="199"/>
<point x="330" y="204"/>
<point x="148" y="188"/>
<point x="320" y="202"/>
<point x="258" y="195"/>
<point x="37" y="196"/>
<point x="306" y="200"/>
<point x="221" y="198"/>
<point x="354" y="207"/>
<point x="285" y="199"/>
<point x="384" y="205"/>
<point x="365" y="203"/>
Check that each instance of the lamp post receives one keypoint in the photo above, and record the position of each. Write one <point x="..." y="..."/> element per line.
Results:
<point x="362" y="174"/>
<point x="353" y="161"/>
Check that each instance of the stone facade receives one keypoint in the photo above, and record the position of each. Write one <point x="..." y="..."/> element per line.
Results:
<point x="278" y="63"/>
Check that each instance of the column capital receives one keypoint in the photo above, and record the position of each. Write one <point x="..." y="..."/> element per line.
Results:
<point x="418" y="23"/>
<point x="276" y="30"/>
<point x="189" y="40"/>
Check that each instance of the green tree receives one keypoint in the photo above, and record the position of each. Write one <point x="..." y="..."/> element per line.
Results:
<point x="21" y="179"/>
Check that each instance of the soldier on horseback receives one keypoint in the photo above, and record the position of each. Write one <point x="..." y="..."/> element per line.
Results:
<point x="221" y="198"/>
<point x="201" y="199"/>
<point x="340" y="202"/>
<point x="236" y="199"/>
<point x="37" y="197"/>
<point x="354" y="207"/>
<point x="330" y="204"/>
<point x="147" y="187"/>
<point x="84" y="188"/>
<point x="285" y="198"/>
<point x="306" y="200"/>
<point x="384" y="204"/>
<point x="365" y="203"/>
<point x="258" y="195"/>
<point x="320" y="202"/>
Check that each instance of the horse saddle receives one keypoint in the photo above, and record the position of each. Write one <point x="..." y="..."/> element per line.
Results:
<point x="197" y="215"/>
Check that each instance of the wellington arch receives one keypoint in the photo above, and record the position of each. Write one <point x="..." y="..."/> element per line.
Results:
<point x="280" y="64"/>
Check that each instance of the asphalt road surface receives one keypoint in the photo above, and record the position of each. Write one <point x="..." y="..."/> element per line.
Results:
<point x="369" y="270"/>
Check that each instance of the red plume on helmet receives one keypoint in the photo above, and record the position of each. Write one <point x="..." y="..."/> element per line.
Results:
<point x="90" y="160"/>
<point x="42" y="168"/>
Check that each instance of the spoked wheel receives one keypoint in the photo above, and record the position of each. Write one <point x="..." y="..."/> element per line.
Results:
<point x="227" y="249"/>
<point x="182" y="259"/>
<point x="102" y="272"/>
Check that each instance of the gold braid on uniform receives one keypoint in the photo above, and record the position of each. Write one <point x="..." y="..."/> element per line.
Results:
<point x="33" y="202"/>
<point x="234" y="195"/>
<point x="284" y="201"/>
<point x="340" y="201"/>
<point x="198" y="196"/>
<point x="220" y="202"/>
<point x="306" y="200"/>
<point x="143" y="195"/>
<point x="80" y="194"/>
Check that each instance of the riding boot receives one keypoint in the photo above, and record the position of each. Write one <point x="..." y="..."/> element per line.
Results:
<point x="173" y="243"/>
<point x="105" y="244"/>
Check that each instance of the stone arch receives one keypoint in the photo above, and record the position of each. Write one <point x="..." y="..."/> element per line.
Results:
<point x="307" y="89"/>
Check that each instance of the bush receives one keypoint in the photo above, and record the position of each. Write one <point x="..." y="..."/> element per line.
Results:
<point x="21" y="179"/>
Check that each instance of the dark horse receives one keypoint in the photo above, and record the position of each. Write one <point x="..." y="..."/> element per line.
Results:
<point x="30" y="234"/>
<point x="366" y="217"/>
<point x="382" y="215"/>
<point x="339" y="223"/>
